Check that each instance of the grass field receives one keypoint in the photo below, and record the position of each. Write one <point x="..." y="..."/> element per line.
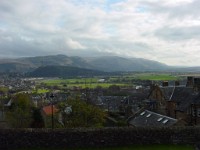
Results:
<point x="114" y="80"/>
<point x="156" y="77"/>
<point x="152" y="147"/>
<point x="70" y="81"/>
<point x="83" y="83"/>
<point x="79" y="84"/>
<point x="41" y="91"/>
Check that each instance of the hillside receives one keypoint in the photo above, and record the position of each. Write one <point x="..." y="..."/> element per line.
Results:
<point x="63" y="71"/>
<point x="113" y="63"/>
<point x="106" y="63"/>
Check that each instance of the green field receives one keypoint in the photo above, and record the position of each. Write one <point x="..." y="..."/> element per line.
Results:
<point x="70" y="81"/>
<point x="156" y="77"/>
<point x="123" y="80"/>
<point x="83" y="83"/>
<point x="149" y="147"/>
<point x="40" y="91"/>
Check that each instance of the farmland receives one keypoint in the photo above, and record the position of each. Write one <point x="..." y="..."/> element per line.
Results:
<point x="157" y="77"/>
<point x="105" y="82"/>
<point x="83" y="83"/>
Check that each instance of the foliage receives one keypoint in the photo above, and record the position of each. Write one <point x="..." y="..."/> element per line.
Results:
<point x="82" y="115"/>
<point x="38" y="121"/>
<point x="3" y="90"/>
<point x="19" y="115"/>
<point x="40" y="91"/>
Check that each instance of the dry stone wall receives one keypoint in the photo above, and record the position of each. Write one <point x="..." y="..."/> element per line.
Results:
<point x="105" y="137"/>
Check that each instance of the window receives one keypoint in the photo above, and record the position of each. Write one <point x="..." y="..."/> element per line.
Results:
<point x="159" y="119"/>
<point x="165" y="121"/>
<point x="142" y="113"/>
<point x="148" y="115"/>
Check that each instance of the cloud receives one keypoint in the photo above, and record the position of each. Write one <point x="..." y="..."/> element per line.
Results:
<point x="74" y="44"/>
<point x="179" y="33"/>
<point x="151" y="29"/>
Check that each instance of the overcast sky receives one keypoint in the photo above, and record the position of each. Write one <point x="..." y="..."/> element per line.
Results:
<point x="162" y="30"/>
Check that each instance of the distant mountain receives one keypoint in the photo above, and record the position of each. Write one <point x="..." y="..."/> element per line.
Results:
<point x="107" y="63"/>
<point x="114" y="63"/>
<point x="64" y="71"/>
<point x="186" y="69"/>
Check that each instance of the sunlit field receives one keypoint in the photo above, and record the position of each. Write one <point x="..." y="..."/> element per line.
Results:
<point x="123" y="80"/>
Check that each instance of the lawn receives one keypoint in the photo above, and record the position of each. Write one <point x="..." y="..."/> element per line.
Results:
<point x="151" y="147"/>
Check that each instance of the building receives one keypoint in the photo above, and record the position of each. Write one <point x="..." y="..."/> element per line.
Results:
<point x="146" y="118"/>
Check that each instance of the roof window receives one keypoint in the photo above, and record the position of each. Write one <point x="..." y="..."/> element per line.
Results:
<point x="159" y="119"/>
<point x="165" y="121"/>
<point x="148" y="115"/>
<point x="142" y="113"/>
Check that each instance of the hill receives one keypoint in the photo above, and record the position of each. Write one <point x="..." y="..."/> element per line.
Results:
<point x="107" y="63"/>
<point x="64" y="71"/>
<point x="114" y="63"/>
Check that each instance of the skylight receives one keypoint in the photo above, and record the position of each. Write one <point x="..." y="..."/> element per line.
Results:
<point x="148" y="115"/>
<point x="142" y="113"/>
<point x="159" y="119"/>
<point x="165" y="121"/>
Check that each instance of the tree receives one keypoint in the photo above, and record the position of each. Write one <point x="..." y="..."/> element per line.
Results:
<point x="19" y="115"/>
<point x="3" y="91"/>
<point x="82" y="114"/>
<point x="38" y="121"/>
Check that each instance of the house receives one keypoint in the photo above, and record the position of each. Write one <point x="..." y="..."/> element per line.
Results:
<point x="180" y="102"/>
<point x="195" y="111"/>
<point x="110" y="103"/>
<point x="49" y="112"/>
<point x="178" y="106"/>
<point x="159" y="95"/>
<point x="146" y="118"/>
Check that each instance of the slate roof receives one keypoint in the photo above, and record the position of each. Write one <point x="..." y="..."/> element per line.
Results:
<point x="197" y="99"/>
<point x="112" y="101"/>
<point x="148" y="118"/>
<point x="184" y="97"/>
<point x="137" y="98"/>
<point x="181" y="93"/>
<point x="167" y="91"/>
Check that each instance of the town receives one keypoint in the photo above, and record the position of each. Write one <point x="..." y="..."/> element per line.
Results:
<point x="30" y="103"/>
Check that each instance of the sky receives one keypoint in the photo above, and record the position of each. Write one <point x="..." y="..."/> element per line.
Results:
<point x="167" y="31"/>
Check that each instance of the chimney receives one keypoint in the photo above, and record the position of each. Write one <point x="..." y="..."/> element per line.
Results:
<point x="165" y="83"/>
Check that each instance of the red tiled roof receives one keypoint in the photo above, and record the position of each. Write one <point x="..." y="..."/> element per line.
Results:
<point x="48" y="110"/>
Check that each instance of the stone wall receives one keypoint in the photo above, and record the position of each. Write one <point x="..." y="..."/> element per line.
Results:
<point x="105" y="137"/>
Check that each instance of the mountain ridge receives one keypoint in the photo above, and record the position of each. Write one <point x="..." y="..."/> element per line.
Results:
<point x="106" y="63"/>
